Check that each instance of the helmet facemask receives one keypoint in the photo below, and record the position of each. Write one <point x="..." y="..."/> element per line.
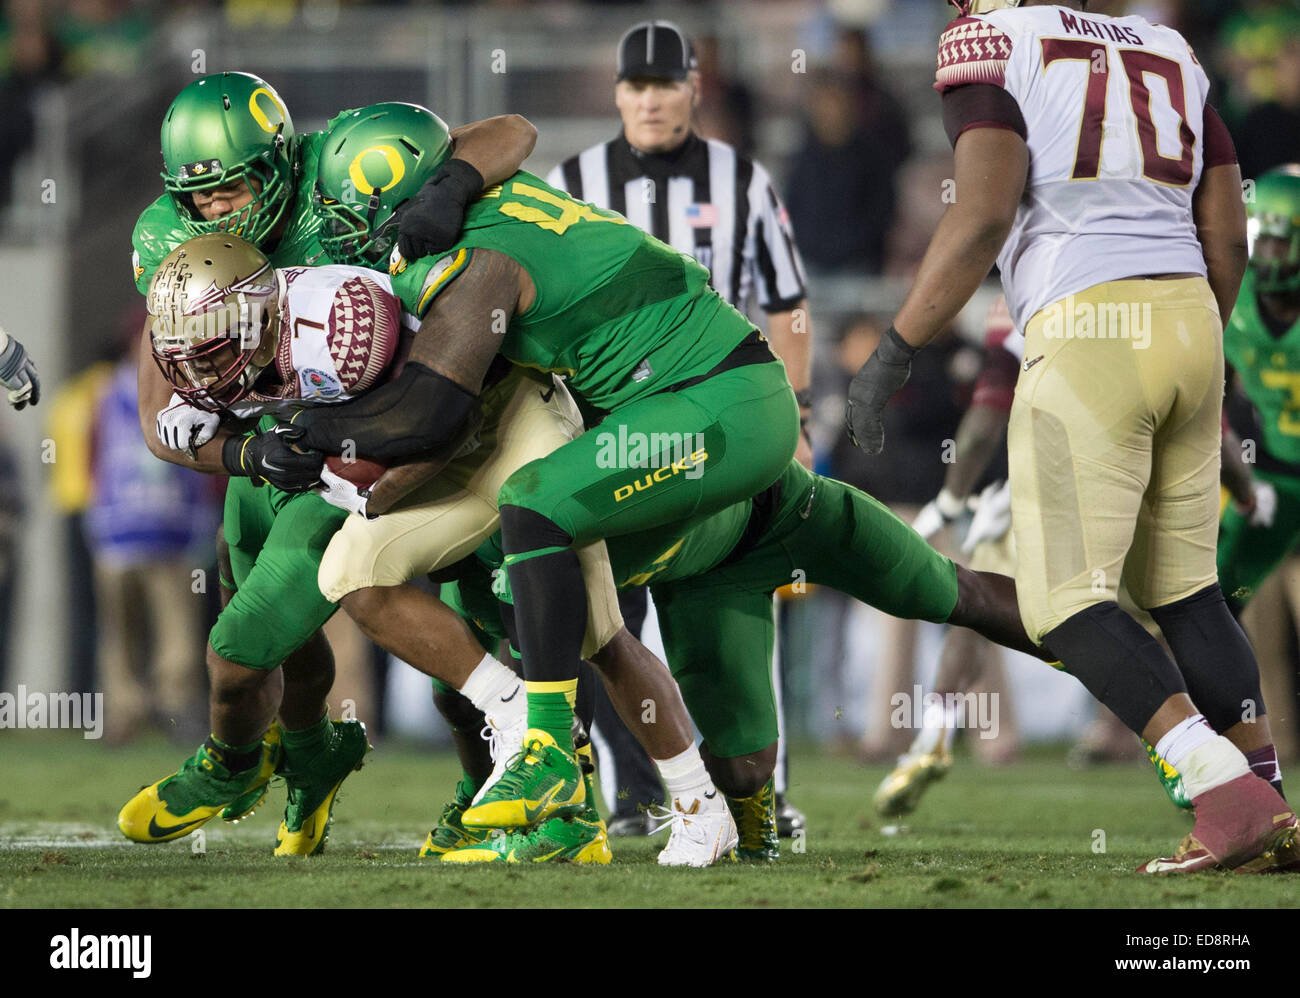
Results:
<point x="1275" y="273"/>
<point x="350" y="238"/>
<point x="269" y="179"/>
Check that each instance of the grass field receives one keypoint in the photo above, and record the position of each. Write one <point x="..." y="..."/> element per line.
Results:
<point x="1020" y="836"/>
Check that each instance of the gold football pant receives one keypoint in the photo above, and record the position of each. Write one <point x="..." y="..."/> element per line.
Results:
<point x="1114" y="449"/>
<point x="525" y="417"/>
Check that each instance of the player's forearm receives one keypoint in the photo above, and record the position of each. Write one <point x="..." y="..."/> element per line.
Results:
<point x="1220" y="216"/>
<point x="991" y="167"/>
<point x="495" y="147"/>
<point x="977" y="441"/>
<point x="1234" y="472"/>
<point x="399" y="481"/>
<point x="791" y="336"/>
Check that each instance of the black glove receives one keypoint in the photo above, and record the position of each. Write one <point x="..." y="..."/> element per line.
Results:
<point x="272" y="457"/>
<point x="884" y="373"/>
<point x="431" y="221"/>
<point x="18" y="375"/>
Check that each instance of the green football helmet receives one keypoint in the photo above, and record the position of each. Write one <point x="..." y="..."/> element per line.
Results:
<point x="1274" y="212"/>
<point x="371" y="161"/>
<point x="223" y="128"/>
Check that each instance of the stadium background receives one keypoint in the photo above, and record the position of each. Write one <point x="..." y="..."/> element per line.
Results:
<point x="85" y="83"/>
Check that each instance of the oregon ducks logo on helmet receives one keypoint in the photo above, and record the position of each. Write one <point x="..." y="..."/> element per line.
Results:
<point x="371" y="161"/>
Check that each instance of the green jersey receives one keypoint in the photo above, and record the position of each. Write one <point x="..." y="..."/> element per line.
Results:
<point x="1269" y="367"/>
<point x="620" y="314"/>
<point x="159" y="230"/>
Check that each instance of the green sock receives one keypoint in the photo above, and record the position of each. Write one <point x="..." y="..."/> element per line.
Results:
<point x="306" y="742"/>
<point x="550" y="709"/>
<point x="467" y="787"/>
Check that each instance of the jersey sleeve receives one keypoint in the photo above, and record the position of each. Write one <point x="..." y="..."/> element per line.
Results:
<point x="778" y="274"/>
<point x="972" y="50"/>
<point x="418" y="283"/>
<point x="157" y="232"/>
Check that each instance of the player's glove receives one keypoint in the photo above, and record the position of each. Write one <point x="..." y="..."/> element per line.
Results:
<point x="884" y="373"/>
<point x="185" y="427"/>
<point x="431" y="221"/>
<point x="939" y="512"/>
<point x="273" y="457"/>
<point x="1263" y="506"/>
<point x="338" y="491"/>
<point x="18" y="374"/>
<point x="992" y="516"/>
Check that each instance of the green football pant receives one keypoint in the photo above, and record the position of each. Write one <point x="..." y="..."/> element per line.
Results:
<point x="1248" y="555"/>
<point x="276" y="543"/>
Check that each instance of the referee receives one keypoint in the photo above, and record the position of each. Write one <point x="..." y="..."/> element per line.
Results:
<point x="704" y="199"/>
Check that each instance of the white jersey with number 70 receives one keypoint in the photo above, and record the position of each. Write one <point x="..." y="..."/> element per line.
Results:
<point x="1113" y="110"/>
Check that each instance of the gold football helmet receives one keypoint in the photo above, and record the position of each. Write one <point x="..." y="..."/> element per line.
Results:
<point x="215" y="306"/>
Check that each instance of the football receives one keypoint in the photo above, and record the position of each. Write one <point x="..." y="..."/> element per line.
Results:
<point x="359" y="471"/>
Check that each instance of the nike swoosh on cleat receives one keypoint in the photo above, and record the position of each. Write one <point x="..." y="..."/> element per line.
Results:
<point x="711" y="796"/>
<point x="157" y="831"/>
<point x="531" y="813"/>
<point x="514" y="693"/>
<point x="546" y="396"/>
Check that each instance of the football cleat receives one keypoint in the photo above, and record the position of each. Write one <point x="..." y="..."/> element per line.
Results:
<point x="789" y="819"/>
<point x="1170" y="779"/>
<point x="202" y="788"/>
<point x="242" y="806"/>
<point x="900" y="791"/>
<point x="580" y="839"/>
<point x="541" y="781"/>
<point x="449" y="833"/>
<point x="313" y="787"/>
<point x="701" y="833"/>
<point x="756" y="826"/>
<point x="505" y="736"/>
<point x="1243" y="826"/>
<point x="631" y="825"/>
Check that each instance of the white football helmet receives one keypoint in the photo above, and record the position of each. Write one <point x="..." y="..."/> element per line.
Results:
<point x="983" y="6"/>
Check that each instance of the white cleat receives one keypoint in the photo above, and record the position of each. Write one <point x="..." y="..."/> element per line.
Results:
<point x="701" y="833"/>
<point x="505" y="737"/>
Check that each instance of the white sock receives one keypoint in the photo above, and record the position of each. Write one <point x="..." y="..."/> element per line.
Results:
<point x="1204" y="759"/>
<point x="685" y="777"/>
<point x="495" y="689"/>
<point x="1184" y="737"/>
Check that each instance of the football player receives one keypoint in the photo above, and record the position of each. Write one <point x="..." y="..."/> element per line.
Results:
<point x="560" y="286"/>
<point x="1114" y="435"/>
<point x="234" y="164"/>
<point x="713" y="581"/>
<point x="370" y="561"/>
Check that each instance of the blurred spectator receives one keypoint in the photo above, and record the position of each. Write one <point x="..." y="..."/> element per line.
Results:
<point x="148" y="524"/>
<point x="841" y="193"/>
<point x="1270" y="135"/>
<point x="1251" y="41"/>
<point x="29" y="58"/>
<point x="726" y="108"/>
<point x="104" y="36"/>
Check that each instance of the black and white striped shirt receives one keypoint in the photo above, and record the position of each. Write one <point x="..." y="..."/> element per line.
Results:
<point x="703" y="199"/>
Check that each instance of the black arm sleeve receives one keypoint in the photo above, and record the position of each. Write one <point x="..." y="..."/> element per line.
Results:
<point x="418" y="414"/>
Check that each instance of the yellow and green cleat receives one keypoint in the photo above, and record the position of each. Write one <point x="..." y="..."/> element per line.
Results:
<point x="542" y="781"/>
<point x="755" y="819"/>
<point x="580" y="839"/>
<point x="313" y="786"/>
<point x="1170" y="779"/>
<point x="449" y="833"/>
<point x="200" y="790"/>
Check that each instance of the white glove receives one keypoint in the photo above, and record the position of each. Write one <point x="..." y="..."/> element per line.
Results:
<point x="1265" y="507"/>
<point x="184" y="427"/>
<point x="338" y="491"/>
<point x="940" y="511"/>
<point x="992" y="516"/>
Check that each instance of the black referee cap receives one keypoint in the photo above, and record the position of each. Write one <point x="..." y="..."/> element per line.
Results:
<point x="656" y="50"/>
